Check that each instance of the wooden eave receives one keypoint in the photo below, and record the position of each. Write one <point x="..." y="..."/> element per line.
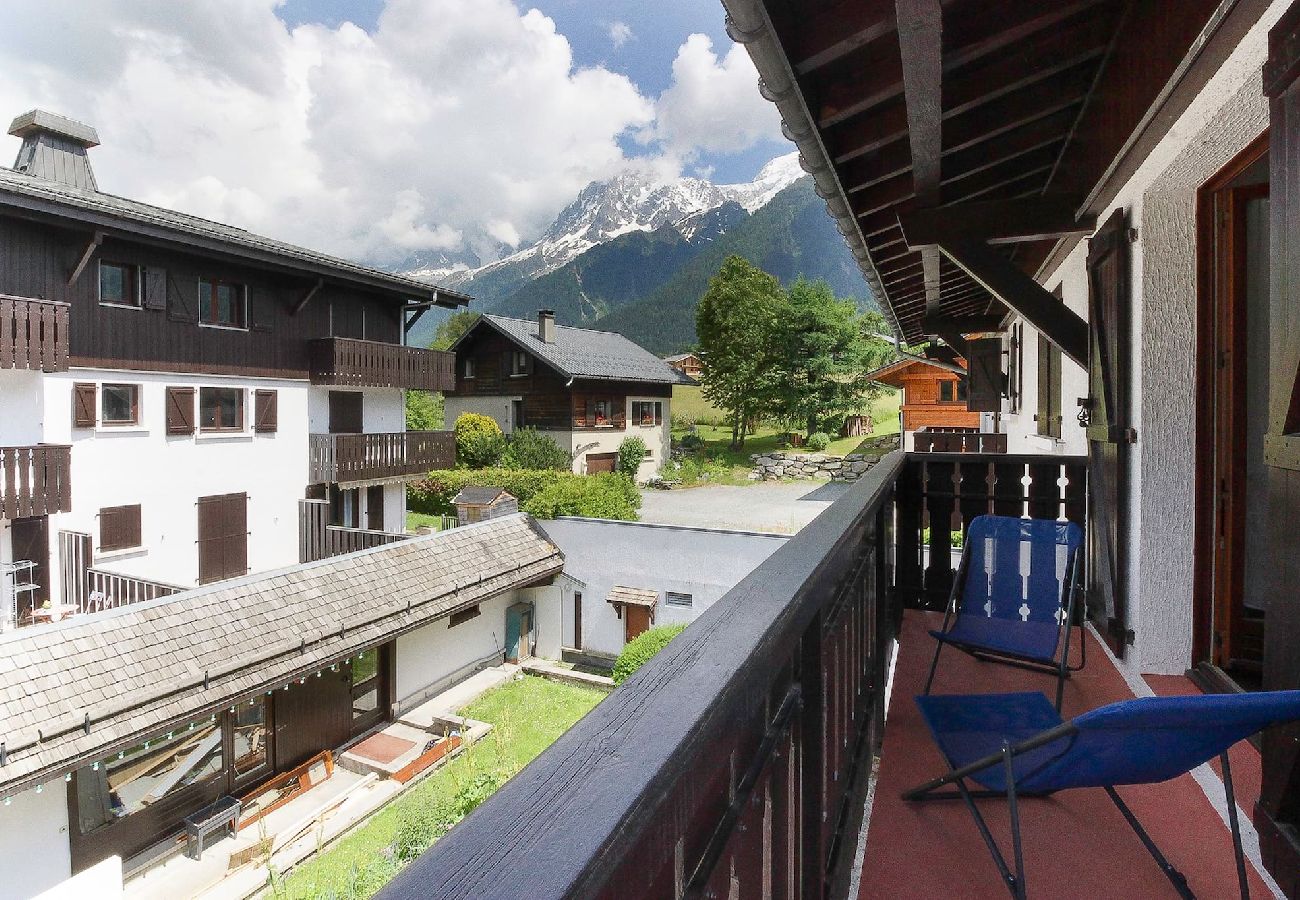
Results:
<point x="993" y="110"/>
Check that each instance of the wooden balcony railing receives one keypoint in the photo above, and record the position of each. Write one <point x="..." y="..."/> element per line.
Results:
<point x="731" y="763"/>
<point x="342" y="458"/>
<point x="33" y="334"/>
<point x="374" y="364"/>
<point x="957" y="440"/>
<point x="35" y="481"/>
<point x="319" y="540"/>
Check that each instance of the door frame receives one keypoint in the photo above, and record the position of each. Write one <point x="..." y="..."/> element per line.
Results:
<point x="1209" y="616"/>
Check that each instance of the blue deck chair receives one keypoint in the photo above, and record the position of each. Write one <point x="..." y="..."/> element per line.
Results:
<point x="1014" y="594"/>
<point x="1016" y="745"/>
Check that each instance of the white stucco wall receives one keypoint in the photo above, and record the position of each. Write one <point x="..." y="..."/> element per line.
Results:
<point x="34" y="854"/>
<point x="20" y="408"/>
<point x="548" y="618"/>
<point x="496" y="408"/>
<point x="382" y="409"/>
<point x="166" y="474"/>
<point x="432" y="658"/>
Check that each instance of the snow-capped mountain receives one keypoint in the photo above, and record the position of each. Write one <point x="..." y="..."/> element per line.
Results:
<point x="605" y="210"/>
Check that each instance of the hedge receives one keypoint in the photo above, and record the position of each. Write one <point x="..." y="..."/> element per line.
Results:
<point x="601" y="496"/>
<point x="639" y="651"/>
<point x="433" y="495"/>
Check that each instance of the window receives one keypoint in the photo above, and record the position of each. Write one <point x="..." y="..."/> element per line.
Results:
<point x="365" y="688"/>
<point x="221" y="409"/>
<point x="143" y="775"/>
<point x="223" y="303"/>
<point x="600" y="414"/>
<point x="460" y="618"/>
<point x="248" y="727"/>
<point x="647" y="412"/>
<point x="961" y="390"/>
<point x="119" y="404"/>
<point x="517" y="413"/>
<point x="119" y="284"/>
<point x="469" y="367"/>
<point x="119" y="527"/>
<point x="518" y="363"/>
<point x="672" y="598"/>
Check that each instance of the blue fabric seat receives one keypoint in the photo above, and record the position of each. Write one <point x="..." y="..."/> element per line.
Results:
<point x="1014" y="594"/>
<point x="1017" y="744"/>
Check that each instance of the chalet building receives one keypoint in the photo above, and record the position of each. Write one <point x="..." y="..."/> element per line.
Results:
<point x="196" y="424"/>
<point x="1096" y="205"/>
<point x="687" y="363"/>
<point x="587" y="389"/>
<point x="934" y="402"/>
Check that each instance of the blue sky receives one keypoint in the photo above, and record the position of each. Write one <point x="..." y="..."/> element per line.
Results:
<point x="658" y="28"/>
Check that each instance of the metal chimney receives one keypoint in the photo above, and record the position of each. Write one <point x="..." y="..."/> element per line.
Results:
<point x="546" y="326"/>
<point x="54" y="148"/>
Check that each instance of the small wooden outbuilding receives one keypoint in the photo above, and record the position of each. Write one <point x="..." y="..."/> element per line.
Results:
<point x="477" y="504"/>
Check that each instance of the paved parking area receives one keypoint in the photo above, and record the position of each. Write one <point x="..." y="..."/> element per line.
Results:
<point x="782" y="507"/>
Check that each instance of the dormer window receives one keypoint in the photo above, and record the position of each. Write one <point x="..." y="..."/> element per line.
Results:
<point x="518" y="363"/>
<point x="223" y="304"/>
<point x="119" y="284"/>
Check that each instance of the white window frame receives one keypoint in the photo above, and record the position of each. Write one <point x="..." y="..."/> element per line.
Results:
<point x="469" y="367"/>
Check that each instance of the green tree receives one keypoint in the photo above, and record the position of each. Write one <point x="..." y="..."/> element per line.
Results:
<point x="424" y="411"/>
<point x="631" y="453"/>
<point x="528" y="448"/>
<point x="736" y="321"/>
<point x="452" y="328"/>
<point x="479" y="441"/>
<point x="823" y="350"/>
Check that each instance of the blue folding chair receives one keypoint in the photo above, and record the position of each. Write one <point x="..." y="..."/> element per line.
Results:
<point x="1016" y="745"/>
<point x="1014" y="594"/>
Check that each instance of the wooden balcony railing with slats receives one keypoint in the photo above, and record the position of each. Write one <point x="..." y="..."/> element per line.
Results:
<point x="33" y="334"/>
<point x="35" y="481"/>
<point x="347" y="361"/>
<point x="343" y="458"/>
<point x="957" y="440"/>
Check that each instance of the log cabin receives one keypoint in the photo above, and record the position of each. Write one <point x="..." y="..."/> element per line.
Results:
<point x="933" y="399"/>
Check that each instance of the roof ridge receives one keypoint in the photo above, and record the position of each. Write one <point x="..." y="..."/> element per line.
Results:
<point x="502" y="318"/>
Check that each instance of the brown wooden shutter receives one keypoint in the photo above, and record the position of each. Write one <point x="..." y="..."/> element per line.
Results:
<point x="84" y="401"/>
<point x="375" y="507"/>
<point x="265" y="411"/>
<point x="223" y="537"/>
<point x="984" y="392"/>
<point x="155" y="288"/>
<point x="119" y="527"/>
<point x="259" y="310"/>
<point x="180" y="410"/>
<point x="618" y="411"/>
<point x="183" y="304"/>
<point x="236" y="522"/>
<point x="1109" y="435"/>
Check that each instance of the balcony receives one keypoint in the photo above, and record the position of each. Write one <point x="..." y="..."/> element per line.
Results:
<point x="346" y="458"/>
<point x="347" y="361"/>
<point x="939" y="439"/>
<point x="35" y="481"/>
<point x="736" y="762"/>
<point x="33" y="334"/>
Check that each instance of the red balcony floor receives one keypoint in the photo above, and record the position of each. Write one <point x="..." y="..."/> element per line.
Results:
<point x="1076" y="843"/>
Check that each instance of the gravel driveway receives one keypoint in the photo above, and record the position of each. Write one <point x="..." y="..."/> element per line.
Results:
<point x="782" y="507"/>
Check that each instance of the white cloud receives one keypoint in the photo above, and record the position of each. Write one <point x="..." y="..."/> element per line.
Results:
<point x="712" y="105"/>
<point x="620" y="33"/>
<point x="456" y="126"/>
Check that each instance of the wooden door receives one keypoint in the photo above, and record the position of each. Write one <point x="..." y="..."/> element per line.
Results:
<point x="636" y="620"/>
<point x="1109" y="432"/>
<point x="577" y="620"/>
<point x="31" y="541"/>
<point x="223" y="537"/>
<point x="345" y="412"/>
<point x="375" y="507"/>
<point x="601" y="462"/>
<point x="311" y="717"/>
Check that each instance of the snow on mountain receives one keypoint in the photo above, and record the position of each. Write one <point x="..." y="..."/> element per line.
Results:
<point x="606" y="209"/>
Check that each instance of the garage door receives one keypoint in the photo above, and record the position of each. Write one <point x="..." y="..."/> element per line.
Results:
<point x="600" y="462"/>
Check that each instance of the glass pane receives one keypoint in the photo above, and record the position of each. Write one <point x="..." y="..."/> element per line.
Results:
<point x="117" y="402"/>
<point x="365" y="666"/>
<point x="141" y="776"/>
<point x="249" y="726"/>
<point x="113" y="284"/>
<point x="221" y="409"/>
<point x="205" y="301"/>
<point x="366" y="703"/>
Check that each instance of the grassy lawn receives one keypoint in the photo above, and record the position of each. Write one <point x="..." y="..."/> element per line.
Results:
<point x="526" y="715"/>
<point x="416" y="520"/>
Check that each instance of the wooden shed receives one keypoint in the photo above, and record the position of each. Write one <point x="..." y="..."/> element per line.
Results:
<point x="478" y="504"/>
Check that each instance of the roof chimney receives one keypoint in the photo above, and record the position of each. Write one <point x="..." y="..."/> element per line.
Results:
<point x="54" y="148"/>
<point x="546" y="326"/>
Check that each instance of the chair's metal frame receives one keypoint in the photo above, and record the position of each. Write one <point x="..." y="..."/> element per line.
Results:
<point x="1062" y="670"/>
<point x="1015" y="882"/>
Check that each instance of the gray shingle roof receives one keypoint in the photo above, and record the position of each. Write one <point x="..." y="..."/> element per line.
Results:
<point x="135" y="670"/>
<point x="584" y="353"/>
<point x="477" y="496"/>
<point x="17" y="189"/>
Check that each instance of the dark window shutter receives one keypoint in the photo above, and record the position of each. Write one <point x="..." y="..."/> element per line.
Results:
<point x="985" y="379"/>
<point x="1044" y="416"/>
<point x="266" y="411"/>
<point x="180" y="410"/>
<point x="155" y="288"/>
<point x="223" y="537"/>
<point x="84" y="401"/>
<point x="183" y="305"/>
<point x="236" y="520"/>
<point x="375" y="507"/>
<point x="618" y="411"/>
<point x="259" y="310"/>
<point x="119" y="527"/>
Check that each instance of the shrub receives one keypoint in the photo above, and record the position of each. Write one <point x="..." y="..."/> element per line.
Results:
<point x="433" y="494"/>
<point x="602" y="496"/>
<point x="818" y="441"/>
<point x="479" y="441"/>
<point x="528" y="448"/>
<point x="639" y="651"/>
<point x="631" y="453"/>
<point x="691" y="442"/>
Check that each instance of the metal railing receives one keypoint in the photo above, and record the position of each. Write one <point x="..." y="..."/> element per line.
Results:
<point x="342" y="458"/>
<point x="360" y="363"/>
<point x="33" y="334"/>
<point x="35" y="481"/>
<point x="929" y="439"/>
<point x="730" y="764"/>
<point x="109" y="590"/>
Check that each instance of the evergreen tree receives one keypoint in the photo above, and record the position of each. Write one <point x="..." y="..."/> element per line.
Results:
<point x="452" y="328"/>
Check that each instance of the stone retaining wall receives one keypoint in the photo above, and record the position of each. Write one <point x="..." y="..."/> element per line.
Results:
<point x="819" y="466"/>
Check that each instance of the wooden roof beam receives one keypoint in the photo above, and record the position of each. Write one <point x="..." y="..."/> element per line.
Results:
<point x="995" y="221"/>
<point x="306" y="298"/>
<point x="999" y="276"/>
<point x="920" y="47"/>
<point x="940" y="323"/>
<point x="837" y="30"/>
<point x="986" y="32"/>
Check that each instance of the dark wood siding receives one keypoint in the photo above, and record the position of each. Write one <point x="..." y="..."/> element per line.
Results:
<point x="164" y="334"/>
<point x="223" y="537"/>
